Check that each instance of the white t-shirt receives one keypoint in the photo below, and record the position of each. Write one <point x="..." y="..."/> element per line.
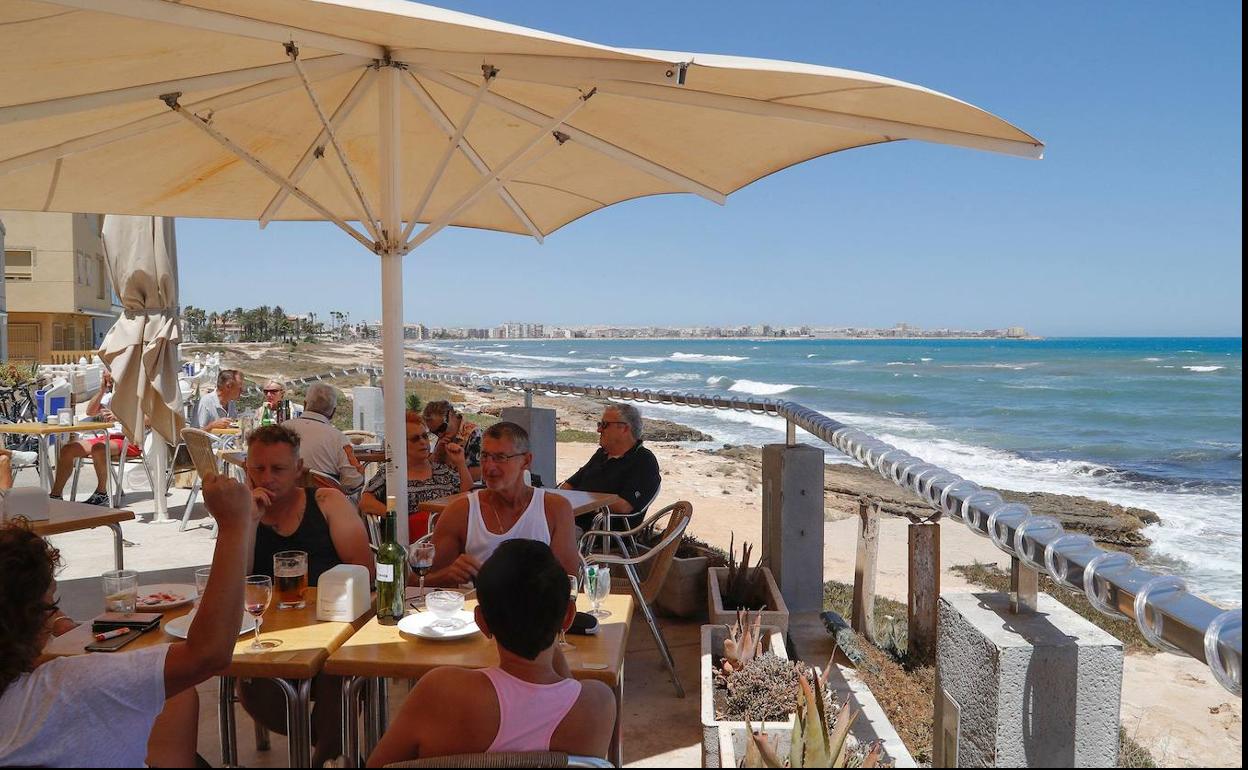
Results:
<point x="92" y="710"/>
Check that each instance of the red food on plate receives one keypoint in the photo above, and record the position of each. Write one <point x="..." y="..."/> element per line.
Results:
<point x="159" y="597"/>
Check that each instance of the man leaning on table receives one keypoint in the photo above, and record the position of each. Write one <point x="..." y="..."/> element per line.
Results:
<point x="621" y="466"/>
<point x="218" y="409"/>
<point x="471" y="527"/>
<point x="100" y="709"/>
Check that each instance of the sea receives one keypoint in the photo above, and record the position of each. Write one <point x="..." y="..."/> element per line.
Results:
<point x="1155" y="423"/>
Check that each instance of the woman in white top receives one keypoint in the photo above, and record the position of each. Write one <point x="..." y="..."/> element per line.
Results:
<point x="471" y="528"/>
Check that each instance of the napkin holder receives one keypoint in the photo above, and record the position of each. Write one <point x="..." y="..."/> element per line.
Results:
<point x="343" y="593"/>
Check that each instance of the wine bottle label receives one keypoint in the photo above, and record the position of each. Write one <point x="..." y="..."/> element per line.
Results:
<point x="385" y="573"/>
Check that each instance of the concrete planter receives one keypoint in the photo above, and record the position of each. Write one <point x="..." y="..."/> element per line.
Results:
<point x="723" y="741"/>
<point x="683" y="590"/>
<point x="775" y="612"/>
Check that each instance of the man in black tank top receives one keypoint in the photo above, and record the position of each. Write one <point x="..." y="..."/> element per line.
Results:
<point x="325" y="524"/>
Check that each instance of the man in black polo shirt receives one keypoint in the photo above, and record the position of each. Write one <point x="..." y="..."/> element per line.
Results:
<point x="621" y="466"/>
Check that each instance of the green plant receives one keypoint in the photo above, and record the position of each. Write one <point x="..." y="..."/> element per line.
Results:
<point x="745" y="586"/>
<point x="413" y="402"/>
<point x="820" y="737"/>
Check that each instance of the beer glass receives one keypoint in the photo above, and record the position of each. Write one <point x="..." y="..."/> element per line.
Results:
<point x="290" y="574"/>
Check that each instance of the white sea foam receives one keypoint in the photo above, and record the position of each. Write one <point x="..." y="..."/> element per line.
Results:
<point x="600" y="370"/>
<point x="812" y="355"/>
<point x="636" y="373"/>
<point x="638" y="360"/>
<point x="760" y="388"/>
<point x="1152" y="360"/>
<point x="679" y="377"/>
<point x="703" y="357"/>
<point x="1203" y="368"/>
<point x="899" y="363"/>
<point x="925" y="359"/>
<point x="715" y="380"/>
<point x="846" y="362"/>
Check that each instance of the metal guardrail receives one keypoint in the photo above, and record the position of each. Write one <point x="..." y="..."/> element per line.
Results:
<point x="1169" y="617"/>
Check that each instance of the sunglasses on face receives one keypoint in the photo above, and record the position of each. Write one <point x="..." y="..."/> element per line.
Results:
<point x="602" y="424"/>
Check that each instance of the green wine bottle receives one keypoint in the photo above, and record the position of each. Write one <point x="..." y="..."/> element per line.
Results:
<point x="391" y="565"/>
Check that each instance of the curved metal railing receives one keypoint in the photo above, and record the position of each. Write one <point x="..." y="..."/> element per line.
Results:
<point x="1167" y="614"/>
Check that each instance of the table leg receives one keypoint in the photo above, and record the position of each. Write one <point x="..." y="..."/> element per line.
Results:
<point x="119" y="544"/>
<point x="225" y="718"/>
<point x="616" y="750"/>
<point x="351" y="689"/>
<point x="383" y="709"/>
<point x="45" y="464"/>
<point x="298" y="720"/>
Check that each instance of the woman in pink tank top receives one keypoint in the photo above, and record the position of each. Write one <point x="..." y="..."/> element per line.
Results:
<point x="522" y="591"/>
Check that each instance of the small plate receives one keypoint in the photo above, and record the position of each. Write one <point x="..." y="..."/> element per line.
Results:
<point x="180" y="626"/>
<point x="421" y="624"/>
<point x="185" y="594"/>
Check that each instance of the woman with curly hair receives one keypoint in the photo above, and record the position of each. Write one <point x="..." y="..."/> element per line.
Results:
<point x="99" y="709"/>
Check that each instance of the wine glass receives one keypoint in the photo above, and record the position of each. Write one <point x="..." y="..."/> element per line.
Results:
<point x="257" y="594"/>
<point x="564" y="644"/>
<point x="420" y="555"/>
<point x="599" y="588"/>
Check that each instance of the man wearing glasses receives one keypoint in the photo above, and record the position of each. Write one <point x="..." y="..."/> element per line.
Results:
<point x="621" y="466"/>
<point x="473" y="526"/>
<point x="451" y="428"/>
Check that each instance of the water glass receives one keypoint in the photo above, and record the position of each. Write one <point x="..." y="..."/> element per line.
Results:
<point x="257" y="594"/>
<point x="599" y="587"/>
<point x="201" y="583"/>
<point x="445" y="605"/>
<point x="121" y="590"/>
<point x="290" y="572"/>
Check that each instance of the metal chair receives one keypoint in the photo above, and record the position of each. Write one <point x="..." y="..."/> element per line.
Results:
<point x="507" y="759"/>
<point x="608" y="519"/>
<point x="660" y="557"/>
<point x="115" y="479"/>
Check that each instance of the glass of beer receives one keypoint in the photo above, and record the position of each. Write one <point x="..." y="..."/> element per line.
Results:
<point x="290" y="573"/>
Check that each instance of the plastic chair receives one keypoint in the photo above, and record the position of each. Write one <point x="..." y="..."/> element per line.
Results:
<point x="507" y="759"/>
<point x="660" y="557"/>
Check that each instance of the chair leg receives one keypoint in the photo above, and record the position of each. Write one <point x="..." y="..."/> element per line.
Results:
<point x="190" y="503"/>
<point x="262" y="737"/>
<point x="654" y="628"/>
<point x="73" y="489"/>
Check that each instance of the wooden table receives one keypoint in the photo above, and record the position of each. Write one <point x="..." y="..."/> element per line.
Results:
<point x="582" y="502"/>
<point x="65" y="516"/>
<point x="42" y="431"/>
<point x="376" y="652"/>
<point x="305" y="644"/>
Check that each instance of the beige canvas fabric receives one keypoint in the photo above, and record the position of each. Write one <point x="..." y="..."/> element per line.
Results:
<point x="141" y="350"/>
<point x="733" y="120"/>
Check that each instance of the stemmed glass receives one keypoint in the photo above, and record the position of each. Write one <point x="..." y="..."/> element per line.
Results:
<point x="420" y="555"/>
<point x="599" y="587"/>
<point x="257" y="594"/>
<point x="564" y="644"/>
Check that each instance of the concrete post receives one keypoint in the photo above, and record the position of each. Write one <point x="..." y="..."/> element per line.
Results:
<point x="793" y="523"/>
<point x="1039" y="689"/>
<point x="540" y="423"/>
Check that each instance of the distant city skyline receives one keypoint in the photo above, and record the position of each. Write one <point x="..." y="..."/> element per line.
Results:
<point x="1130" y="226"/>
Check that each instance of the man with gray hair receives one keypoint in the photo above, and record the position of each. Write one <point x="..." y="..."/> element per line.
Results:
<point x="322" y="447"/>
<point x="621" y="466"/>
<point x="219" y="408"/>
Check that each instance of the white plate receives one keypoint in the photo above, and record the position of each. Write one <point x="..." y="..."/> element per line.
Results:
<point x="186" y="592"/>
<point x="180" y="626"/>
<point x="420" y="624"/>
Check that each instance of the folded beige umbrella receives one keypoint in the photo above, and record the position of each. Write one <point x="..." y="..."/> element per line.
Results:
<point x="381" y="116"/>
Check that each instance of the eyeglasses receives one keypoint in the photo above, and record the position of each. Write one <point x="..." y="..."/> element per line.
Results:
<point x="602" y="424"/>
<point x="499" y="457"/>
<point x="438" y="431"/>
<point x="272" y="390"/>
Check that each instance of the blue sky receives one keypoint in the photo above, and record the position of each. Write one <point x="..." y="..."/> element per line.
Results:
<point x="1131" y="225"/>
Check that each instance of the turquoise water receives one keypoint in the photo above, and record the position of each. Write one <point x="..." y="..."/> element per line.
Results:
<point x="1154" y="423"/>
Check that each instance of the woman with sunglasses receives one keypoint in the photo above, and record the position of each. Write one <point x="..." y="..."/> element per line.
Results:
<point x="450" y="427"/>
<point x="427" y="479"/>
<point x="274" y="393"/>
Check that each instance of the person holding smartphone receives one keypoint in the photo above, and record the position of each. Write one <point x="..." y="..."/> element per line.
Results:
<point x="99" y="709"/>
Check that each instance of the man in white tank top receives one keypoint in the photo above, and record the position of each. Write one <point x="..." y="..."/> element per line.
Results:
<point x="471" y="528"/>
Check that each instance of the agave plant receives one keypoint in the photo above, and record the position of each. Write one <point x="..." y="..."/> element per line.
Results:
<point x="743" y="643"/>
<point x="746" y="586"/>
<point x="816" y="740"/>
